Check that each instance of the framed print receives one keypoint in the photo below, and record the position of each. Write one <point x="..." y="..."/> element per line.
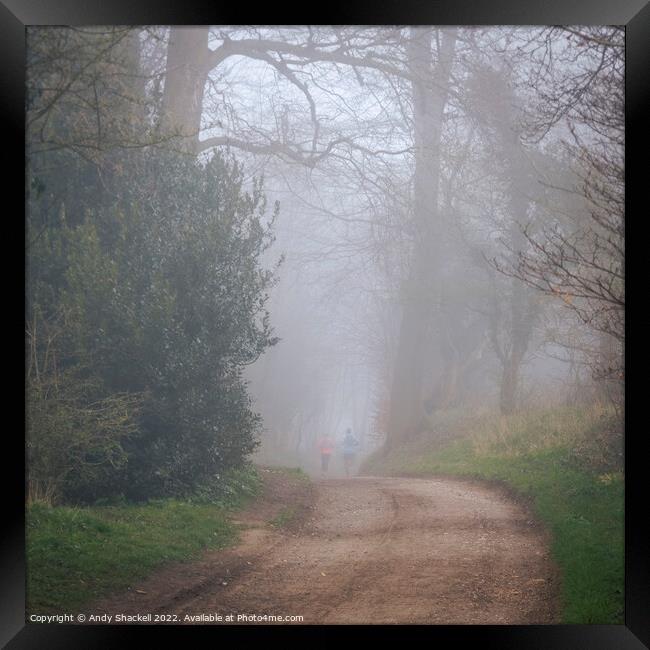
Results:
<point x="328" y="324"/>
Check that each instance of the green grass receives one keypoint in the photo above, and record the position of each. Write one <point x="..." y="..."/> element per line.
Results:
<point x="294" y="472"/>
<point x="568" y="463"/>
<point x="77" y="554"/>
<point x="232" y="491"/>
<point x="285" y="517"/>
<point x="288" y="516"/>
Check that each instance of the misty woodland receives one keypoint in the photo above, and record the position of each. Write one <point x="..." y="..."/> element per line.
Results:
<point x="242" y="239"/>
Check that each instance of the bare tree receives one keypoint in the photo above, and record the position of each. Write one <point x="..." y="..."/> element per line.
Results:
<point x="581" y="260"/>
<point x="87" y="90"/>
<point x="422" y="286"/>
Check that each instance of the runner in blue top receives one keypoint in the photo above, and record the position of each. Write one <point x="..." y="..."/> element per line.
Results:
<point x="350" y="447"/>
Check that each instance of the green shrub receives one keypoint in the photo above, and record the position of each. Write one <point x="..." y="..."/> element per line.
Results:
<point x="164" y="297"/>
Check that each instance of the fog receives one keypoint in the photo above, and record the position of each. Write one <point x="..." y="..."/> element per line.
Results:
<point x="348" y="230"/>
<point x="448" y="236"/>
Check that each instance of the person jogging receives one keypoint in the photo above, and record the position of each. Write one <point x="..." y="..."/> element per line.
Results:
<point x="350" y="447"/>
<point x="326" y="448"/>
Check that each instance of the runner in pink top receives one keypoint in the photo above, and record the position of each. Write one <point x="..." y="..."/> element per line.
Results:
<point x="326" y="448"/>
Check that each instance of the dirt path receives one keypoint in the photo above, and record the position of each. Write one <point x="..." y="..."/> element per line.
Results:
<point x="371" y="550"/>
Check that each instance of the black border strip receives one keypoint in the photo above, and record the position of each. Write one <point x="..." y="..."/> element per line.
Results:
<point x="635" y="14"/>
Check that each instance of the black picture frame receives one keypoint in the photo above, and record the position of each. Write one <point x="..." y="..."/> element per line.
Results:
<point x="15" y="15"/>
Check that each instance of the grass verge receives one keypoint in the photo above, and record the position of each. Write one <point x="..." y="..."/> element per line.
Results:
<point x="285" y="518"/>
<point x="78" y="554"/>
<point x="295" y="473"/>
<point x="568" y="463"/>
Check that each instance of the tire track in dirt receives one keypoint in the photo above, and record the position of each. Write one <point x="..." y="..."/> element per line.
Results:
<point x="375" y="550"/>
<point x="360" y="578"/>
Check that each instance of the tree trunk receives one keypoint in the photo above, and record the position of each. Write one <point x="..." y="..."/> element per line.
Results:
<point x="186" y="74"/>
<point x="509" y="384"/>
<point x="523" y="314"/>
<point x="609" y="369"/>
<point x="135" y="89"/>
<point x="421" y="291"/>
<point x="523" y="303"/>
